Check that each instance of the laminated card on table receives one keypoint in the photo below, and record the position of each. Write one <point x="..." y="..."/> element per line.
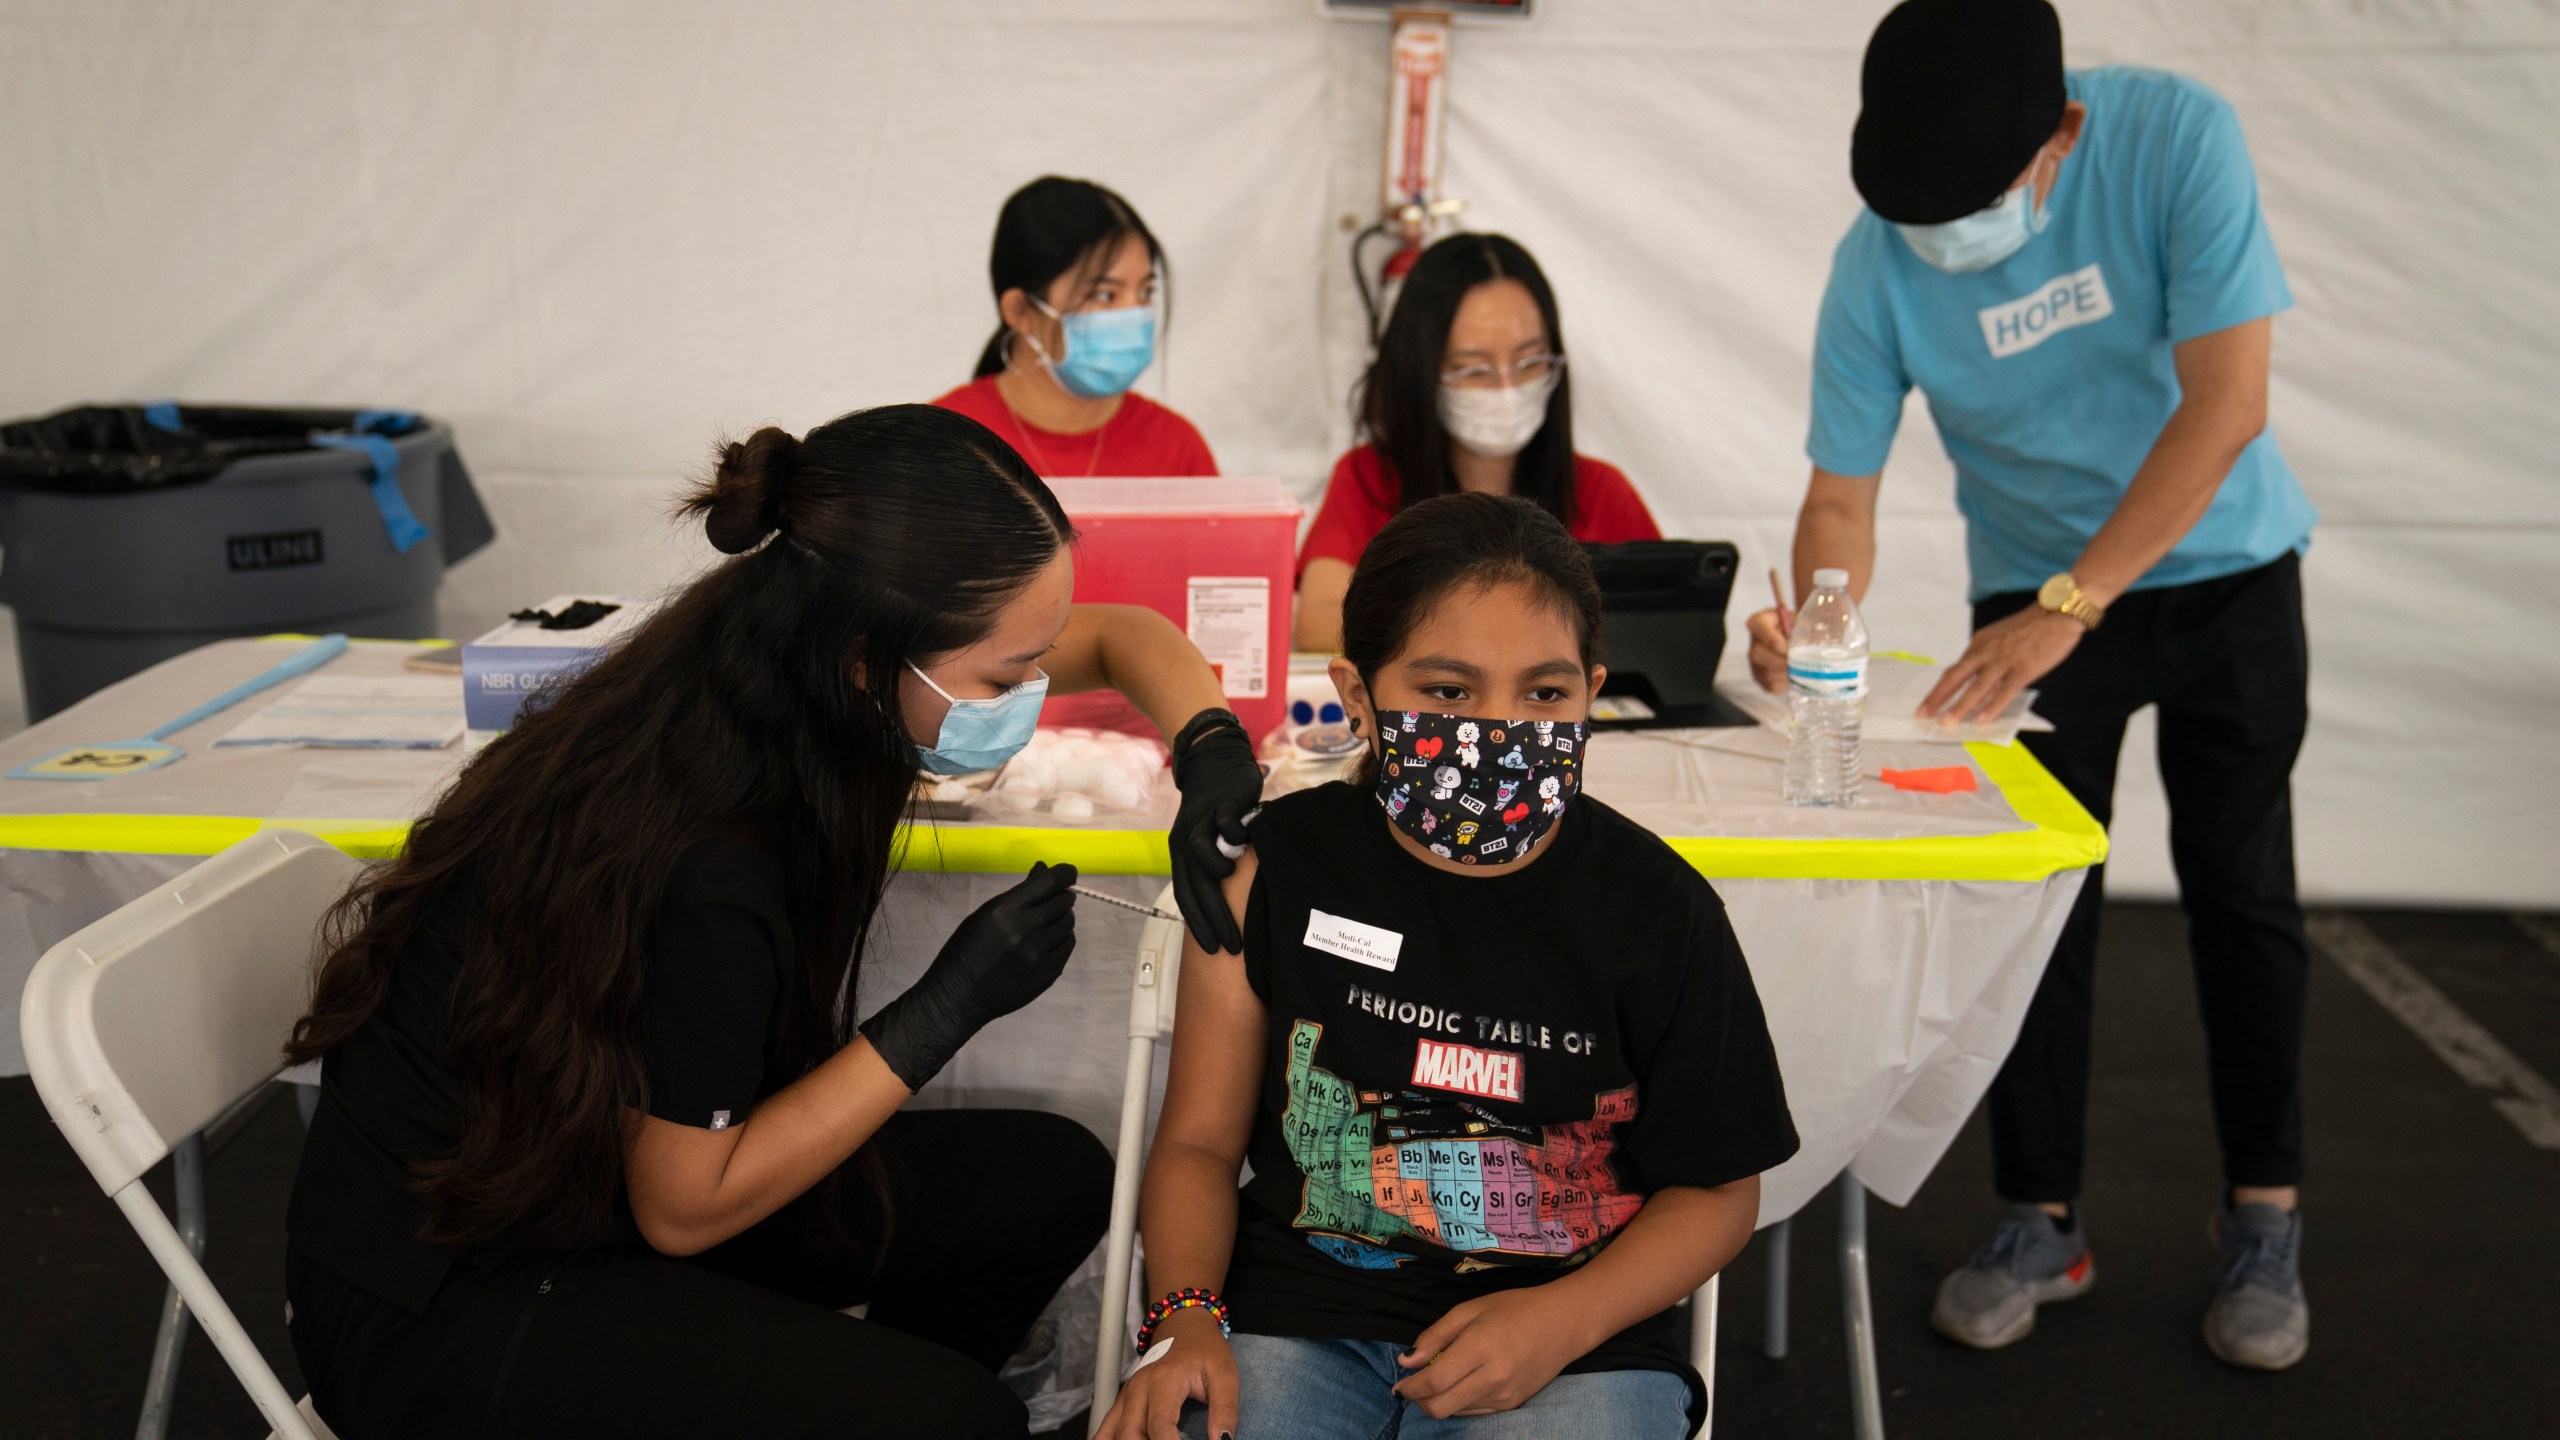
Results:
<point x="359" y="712"/>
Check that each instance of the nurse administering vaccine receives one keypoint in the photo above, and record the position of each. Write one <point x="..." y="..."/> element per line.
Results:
<point x="2073" y="268"/>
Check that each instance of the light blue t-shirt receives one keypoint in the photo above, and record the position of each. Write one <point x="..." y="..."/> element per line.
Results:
<point x="2050" y="373"/>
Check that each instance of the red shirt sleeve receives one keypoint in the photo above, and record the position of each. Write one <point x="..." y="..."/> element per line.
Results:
<point x="1606" y="508"/>
<point x="1356" y="507"/>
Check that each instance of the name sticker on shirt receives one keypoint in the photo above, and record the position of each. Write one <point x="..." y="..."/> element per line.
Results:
<point x="1491" y="1074"/>
<point x="1362" y="944"/>
<point x="2059" y="304"/>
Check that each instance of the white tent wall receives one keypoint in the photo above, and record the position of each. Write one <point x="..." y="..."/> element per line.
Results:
<point x="595" y="236"/>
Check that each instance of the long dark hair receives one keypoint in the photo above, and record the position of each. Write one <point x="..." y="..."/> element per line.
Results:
<point x="1399" y="399"/>
<point x="734" y="710"/>
<point x="1463" y="541"/>
<point x="1056" y="226"/>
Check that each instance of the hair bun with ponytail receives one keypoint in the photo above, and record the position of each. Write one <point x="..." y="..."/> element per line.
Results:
<point x="744" y="500"/>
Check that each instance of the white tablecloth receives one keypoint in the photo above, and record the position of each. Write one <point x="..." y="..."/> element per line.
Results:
<point x="1892" y="1000"/>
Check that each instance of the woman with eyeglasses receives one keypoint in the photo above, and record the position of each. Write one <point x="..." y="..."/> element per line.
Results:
<point x="1468" y="393"/>
<point x="1080" y="295"/>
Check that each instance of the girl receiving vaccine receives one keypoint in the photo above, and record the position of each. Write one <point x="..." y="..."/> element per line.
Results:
<point x="1490" y="1048"/>
<point x="1079" y="283"/>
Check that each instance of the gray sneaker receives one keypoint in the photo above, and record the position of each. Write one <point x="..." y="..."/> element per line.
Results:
<point x="2259" y="1319"/>
<point x="1992" y="1301"/>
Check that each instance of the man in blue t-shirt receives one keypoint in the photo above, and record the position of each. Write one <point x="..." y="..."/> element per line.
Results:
<point x="2073" y="269"/>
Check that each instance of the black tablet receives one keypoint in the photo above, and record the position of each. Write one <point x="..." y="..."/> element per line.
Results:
<point x="1662" y="633"/>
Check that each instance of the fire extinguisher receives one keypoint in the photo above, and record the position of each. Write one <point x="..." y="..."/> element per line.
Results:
<point x="1417" y="103"/>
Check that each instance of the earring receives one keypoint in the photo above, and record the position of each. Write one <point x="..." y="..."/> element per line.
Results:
<point x="1355" y="724"/>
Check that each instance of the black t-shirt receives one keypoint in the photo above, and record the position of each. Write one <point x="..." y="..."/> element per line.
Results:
<point x="720" y="955"/>
<point x="1474" y="1081"/>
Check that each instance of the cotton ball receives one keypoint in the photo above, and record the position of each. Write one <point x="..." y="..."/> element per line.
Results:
<point x="950" y="790"/>
<point x="1140" y="751"/>
<point x="1071" y="807"/>
<point x="1032" y="772"/>
<point x="1122" y="791"/>
<point x="1018" y="799"/>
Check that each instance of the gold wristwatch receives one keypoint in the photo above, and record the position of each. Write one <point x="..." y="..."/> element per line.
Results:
<point x="2061" y="595"/>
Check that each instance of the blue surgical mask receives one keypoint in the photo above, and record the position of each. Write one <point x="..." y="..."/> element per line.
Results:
<point x="1107" y="350"/>
<point x="1984" y="238"/>
<point x="982" y="734"/>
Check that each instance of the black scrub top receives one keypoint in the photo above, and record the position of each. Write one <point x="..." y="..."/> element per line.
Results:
<point x="720" y="959"/>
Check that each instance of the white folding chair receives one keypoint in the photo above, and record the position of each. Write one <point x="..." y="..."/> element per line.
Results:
<point x="1156" y="974"/>
<point x="1702" y="1343"/>
<point x="157" y="1023"/>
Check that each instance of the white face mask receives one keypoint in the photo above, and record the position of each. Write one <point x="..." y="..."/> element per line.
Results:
<point x="1499" y="422"/>
<point x="1984" y="238"/>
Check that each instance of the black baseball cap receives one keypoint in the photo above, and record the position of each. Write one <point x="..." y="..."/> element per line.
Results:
<point x="1956" y="97"/>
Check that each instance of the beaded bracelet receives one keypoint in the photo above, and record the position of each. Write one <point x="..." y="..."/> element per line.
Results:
<point x="1188" y="1298"/>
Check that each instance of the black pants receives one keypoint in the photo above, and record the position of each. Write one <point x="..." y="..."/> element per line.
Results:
<point x="2227" y="663"/>
<point x="993" y="1209"/>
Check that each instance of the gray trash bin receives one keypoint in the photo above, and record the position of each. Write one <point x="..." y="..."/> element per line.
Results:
<point x="111" y="575"/>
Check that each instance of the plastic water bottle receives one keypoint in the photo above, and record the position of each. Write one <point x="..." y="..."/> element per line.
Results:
<point x="1826" y="695"/>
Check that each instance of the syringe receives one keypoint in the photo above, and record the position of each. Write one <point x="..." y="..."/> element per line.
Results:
<point x="1126" y="904"/>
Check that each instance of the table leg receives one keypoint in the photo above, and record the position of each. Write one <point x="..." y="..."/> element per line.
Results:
<point x="1773" y="1338"/>
<point x="1857" y="1304"/>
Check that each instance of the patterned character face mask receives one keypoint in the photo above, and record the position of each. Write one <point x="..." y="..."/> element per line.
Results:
<point x="1477" y="791"/>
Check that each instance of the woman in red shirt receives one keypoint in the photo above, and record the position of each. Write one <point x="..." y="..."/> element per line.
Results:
<point x="1076" y="276"/>
<point x="1468" y="393"/>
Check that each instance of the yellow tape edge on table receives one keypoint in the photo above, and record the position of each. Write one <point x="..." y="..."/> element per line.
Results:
<point x="188" y="834"/>
<point x="2063" y="837"/>
<point x="293" y="636"/>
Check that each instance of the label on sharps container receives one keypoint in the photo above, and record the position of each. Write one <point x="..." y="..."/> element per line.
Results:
<point x="1229" y="618"/>
<point x="1369" y="945"/>
<point x="1823" y="679"/>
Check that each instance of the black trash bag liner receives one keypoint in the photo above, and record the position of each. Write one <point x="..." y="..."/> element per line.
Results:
<point x="120" y="449"/>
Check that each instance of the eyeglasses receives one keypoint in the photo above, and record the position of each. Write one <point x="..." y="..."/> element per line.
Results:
<point x="1534" y="370"/>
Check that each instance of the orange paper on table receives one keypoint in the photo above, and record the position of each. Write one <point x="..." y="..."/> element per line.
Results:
<point x="1937" y="780"/>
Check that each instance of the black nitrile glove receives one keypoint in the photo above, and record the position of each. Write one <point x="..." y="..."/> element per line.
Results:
<point x="1221" y="786"/>
<point x="998" y="960"/>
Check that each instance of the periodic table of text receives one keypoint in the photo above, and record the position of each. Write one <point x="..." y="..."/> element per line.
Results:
<point x="1386" y="1165"/>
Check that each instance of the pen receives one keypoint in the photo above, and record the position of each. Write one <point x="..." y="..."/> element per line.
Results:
<point x="1786" y="616"/>
<point x="1126" y="904"/>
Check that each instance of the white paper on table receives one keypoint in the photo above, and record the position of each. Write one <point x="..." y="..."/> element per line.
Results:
<point x="1895" y="687"/>
<point x="383" y="712"/>
<point x="1729" y="784"/>
<point x="369" y="783"/>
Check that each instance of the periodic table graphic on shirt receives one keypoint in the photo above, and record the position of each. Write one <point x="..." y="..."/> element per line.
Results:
<point x="1381" y="1166"/>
